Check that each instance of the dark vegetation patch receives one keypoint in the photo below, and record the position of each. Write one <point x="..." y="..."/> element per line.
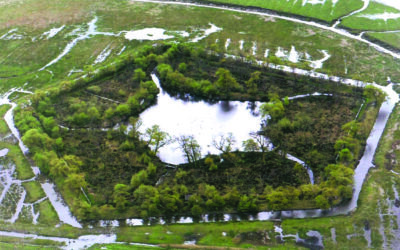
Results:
<point x="105" y="170"/>
<point x="309" y="128"/>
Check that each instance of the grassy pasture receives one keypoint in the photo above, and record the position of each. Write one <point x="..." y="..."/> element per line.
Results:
<point x="326" y="12"/>
<point x="392" y="39"/>
<point x="362" y="62"/>
<point x="20" y="59"/>
<point x="361" y="22"/>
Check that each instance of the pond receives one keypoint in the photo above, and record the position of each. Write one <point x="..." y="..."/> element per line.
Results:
<point x="203" y="120"/>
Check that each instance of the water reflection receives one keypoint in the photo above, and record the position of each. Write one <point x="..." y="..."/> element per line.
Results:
<point x="204" y="120"/>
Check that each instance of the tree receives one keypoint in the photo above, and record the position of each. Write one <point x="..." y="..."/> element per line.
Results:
<point x="252" y="83"/>
<point x="147" y="199"/>
<point x="273" y="109"/>
<point x="48" y="124"/>
<point x="44" y="160"/>
<point x="232" y="197"/>
<point x="190" y="147"/>
<point x="216" y="203"/>
<point x="196" y="211"/>
<point x="156" y="138"/>
<point x="210" y="163"/>
<point x="224" y="143"/>
<point x="169" y="201"/>
<point x="94" y="115"/>
<point x="134" y="125"/>
<point x="281" y="197"/>
<point x="247" y="204"/>
<point x="120" y="196"/>
<point x="339" y="175"/>
<point x="123" y="110"/>
<point x="182" y="67"/>
<point x="321" y="202"/>
<point x="139" y="75"/>
<point x="373" y="94"/>
<point x="226" y="82"/>
<point x="345" y="156"/>
<point x="75" y="182"/>
<point x="262" y="143"/>
<point x="351" y="128"/>
<point x="261" y="140"/>
<point x="250" y="145"/>
<point x="37" y="140"/>
<point x="301" y="173"/>
<point x="139" y="179"/>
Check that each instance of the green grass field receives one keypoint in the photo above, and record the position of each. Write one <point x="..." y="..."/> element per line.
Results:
<point x="48" y="215"/>
<point x="34" y="191"/>
<point x="22" y="58"/>
<point x="392" y="39"/>
<point x="326" y="12"/>
<point x="362" y="22"/>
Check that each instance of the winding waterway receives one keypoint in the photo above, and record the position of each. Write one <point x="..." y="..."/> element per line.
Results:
<point x="62" y="210"/>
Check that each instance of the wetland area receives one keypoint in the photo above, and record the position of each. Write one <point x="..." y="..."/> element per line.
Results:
<point x="199" y="124"/>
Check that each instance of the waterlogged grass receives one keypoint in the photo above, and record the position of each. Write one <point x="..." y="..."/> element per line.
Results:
<point x="34" y="191"/>
<point x="348" y="226"/>
<point x="326" y="12"/>
<point x="22" y="58"/>
<point x="3" y="125"/>
<point x="23" y="168"/>
<point x="28" y="243"/>
<point x="387" y="155"/>
<point x="361" y="22"/>
<point x="207" y="234"/>
<point x="124" y="246"/>
<point x="24" y="246"/>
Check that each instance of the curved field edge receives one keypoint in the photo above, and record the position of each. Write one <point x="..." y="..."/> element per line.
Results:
<point x="373" y="19"/>
<point x="327" y="11"/>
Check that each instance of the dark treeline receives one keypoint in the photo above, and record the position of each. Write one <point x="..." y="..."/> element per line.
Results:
<point x="78" y="135"/>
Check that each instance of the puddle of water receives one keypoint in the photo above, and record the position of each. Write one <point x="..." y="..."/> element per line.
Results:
<point x="122" y="50"/>
<point x="254" y="48"/>
<point x="313" y="2"/>
<point x="294" y="56"/>
<point x="333" y="235"/>
<point x="241" y="42"/>
<point x="207" y="32"/>
<point x="280" y="53"/>
<point x="189" y="243"/>
<point x="151" y="34"/>
<point x="82" y="242"/>
<point x="384" y="16"/>
<point x="227" y="43"/>
<point x="266" y="53"/>
<point x="63" y="212"/>
<point x="52" y="32"/>
<point x="317" y="64"/>
<point x="103" y="55"/>
<point x="91" y="31"/>
<point x="11" y="35"/>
